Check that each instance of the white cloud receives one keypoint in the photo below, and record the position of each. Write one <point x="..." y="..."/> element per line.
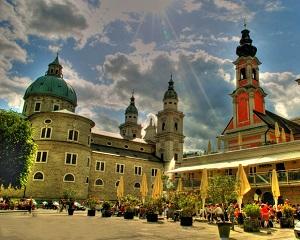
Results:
<point x="274" y="6"/>
<point x="191" y="5"/>
<point x="228" y="10"/>
<point x="283" y="93"/>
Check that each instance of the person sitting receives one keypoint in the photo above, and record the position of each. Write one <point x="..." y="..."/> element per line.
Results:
<point x="218" y="213"/>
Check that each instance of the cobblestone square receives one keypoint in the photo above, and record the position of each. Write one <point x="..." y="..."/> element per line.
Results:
<point x="50" y="225"/>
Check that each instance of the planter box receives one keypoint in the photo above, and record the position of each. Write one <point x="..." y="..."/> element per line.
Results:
<point x="70" y="211"/>
<point x="91" y="212"/>
<point x="287" y="222"/>
<point x="128" y="215"/>
<point x="224" y="230"/>
<point x="106" y="213"/>
<point x="251" y="225"/>
<point x="186" y="221"/>
<point x="152" y="217"/>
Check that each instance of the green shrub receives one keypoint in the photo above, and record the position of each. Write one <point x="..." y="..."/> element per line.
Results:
<point x="252" y="210"/>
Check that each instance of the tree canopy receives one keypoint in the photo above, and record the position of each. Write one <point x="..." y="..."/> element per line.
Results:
<point x="222" y="189"/>
<point x="17" y="148"/>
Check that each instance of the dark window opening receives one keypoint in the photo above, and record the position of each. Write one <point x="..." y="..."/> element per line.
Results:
<point x="55" y="107"/>
<point x="38" y="176"/>
<point x="176" y="126"/>
<point x="175" y="156"/>
<point x="163" y="126"/>
<point x="162" y="156"/>
<point x="243" y="73"/>
<point x="99" y="182"/>
<point x="69" y="178"/>
<point x="253" y="74"/>
<point x="37" y="107"/>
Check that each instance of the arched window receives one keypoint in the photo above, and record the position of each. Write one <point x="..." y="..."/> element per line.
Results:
<point x="38" y="176"/>
<point x="243" y="73"/>
<point x="117" y="183"/>
<point x="253" y="74"/>
<point x="137" y="185"/>
<point x="99" y="182"/>
<point x="163" y="126"/>
<point x="176" y="126"/>
<point x="69" y="177"/>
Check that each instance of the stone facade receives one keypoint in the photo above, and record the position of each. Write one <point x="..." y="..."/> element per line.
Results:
<point x="72" y="156"/>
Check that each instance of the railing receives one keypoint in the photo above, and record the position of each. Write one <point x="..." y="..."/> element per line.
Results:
<point x="258" y="179"/>
<point x="284" y="177"/>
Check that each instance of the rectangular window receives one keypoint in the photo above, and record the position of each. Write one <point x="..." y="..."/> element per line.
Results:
<point x="55" y="107"/>
<point x="229" y="171"/>
<point x="46" y="132"/>
<point x="120" y="168"/>
<point x="153" y="172"/>
<point x="73" y="135"/>
<point x="41" y="156"/>
<point x="175" y="156"/>
<point x="88" y="162"/>
<point x="71" y="158"/>
<point x="138" y="170"/>
<point x="100" y="166"/>
<point x="87" y="180"/>
<point x="37" y="107"/>
<point x="252" y="170"/>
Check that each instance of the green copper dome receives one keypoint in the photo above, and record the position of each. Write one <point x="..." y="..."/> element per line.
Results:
<point x="52" y="84"/>
<point x="171" y="93"/>
<point x="131" y="109"/>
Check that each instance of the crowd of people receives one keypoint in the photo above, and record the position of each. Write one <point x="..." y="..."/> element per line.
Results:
<point x="269" y="215"/>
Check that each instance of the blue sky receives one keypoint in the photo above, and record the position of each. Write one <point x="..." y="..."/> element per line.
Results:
<point x="109" y="47"/>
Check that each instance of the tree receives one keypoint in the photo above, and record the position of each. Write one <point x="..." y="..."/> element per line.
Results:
<point x="17" y="149"/>
<point x="221" y="189"/>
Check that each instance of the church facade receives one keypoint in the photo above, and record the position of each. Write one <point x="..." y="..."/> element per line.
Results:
<point x="254" y="137"/>
<point x="72" y="156"/>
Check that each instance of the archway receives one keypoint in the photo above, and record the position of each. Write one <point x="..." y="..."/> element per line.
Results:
<point x="267" y="197"/>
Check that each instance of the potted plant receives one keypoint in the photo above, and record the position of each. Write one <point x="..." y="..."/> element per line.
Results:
<point x="129" y="202"/>
<point x="106" y="209"/>
<point x="251" y="223"/>
<point x="152" y="208"/>
<point x="221" y="189"/>
<point x="173" y="208"/>
<point x="71" y="206"/>
<point x="287" y="220"/>
<point x="186" y="203"/>
<point x="91" y="204"/>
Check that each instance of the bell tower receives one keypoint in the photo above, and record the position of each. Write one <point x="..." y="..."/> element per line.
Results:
<point x="131" y="129"/>
<point x="248" y="95"/>
<point x="169" y="137"/>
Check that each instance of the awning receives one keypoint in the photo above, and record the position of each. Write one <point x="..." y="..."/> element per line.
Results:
<point x="245" y="162"/>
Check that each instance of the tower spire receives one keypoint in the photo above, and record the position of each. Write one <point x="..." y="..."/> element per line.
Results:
<point x="246" y="49"/>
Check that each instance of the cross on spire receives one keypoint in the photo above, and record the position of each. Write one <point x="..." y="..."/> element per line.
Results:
<point x="245" y="22"/>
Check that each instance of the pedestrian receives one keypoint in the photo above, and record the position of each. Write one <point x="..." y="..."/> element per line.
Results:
<point x="30" y="205"/>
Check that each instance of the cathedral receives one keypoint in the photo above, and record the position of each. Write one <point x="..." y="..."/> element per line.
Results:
<point x="71" y="156"/>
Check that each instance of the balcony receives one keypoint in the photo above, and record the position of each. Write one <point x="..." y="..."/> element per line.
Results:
<point x="284" y="177"/>
<point x="262" y="179"/>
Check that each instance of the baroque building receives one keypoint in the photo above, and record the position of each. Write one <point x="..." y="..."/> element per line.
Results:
<point x="254" y="137"/>
<point x="72" y="156"/>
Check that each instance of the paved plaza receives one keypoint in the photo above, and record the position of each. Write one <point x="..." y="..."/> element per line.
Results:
<point x="50" y="225"/>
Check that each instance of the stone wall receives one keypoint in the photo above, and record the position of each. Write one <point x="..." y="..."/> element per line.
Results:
<point x="110" y="176"/>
